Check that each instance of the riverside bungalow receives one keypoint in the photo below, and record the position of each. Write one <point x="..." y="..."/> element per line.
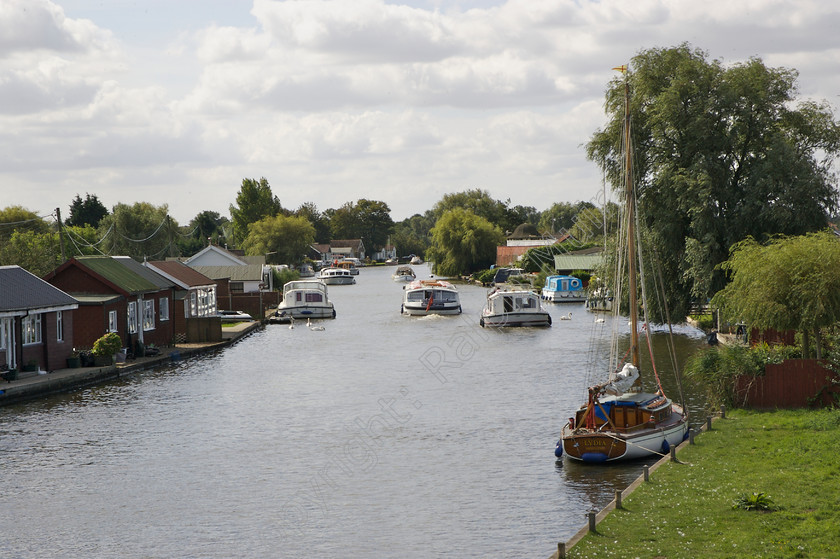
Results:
<point x="115" y="297"/>
<point x="36" y="322"/>
<point x="338" y="250"/>
<point x="195" y="301"/>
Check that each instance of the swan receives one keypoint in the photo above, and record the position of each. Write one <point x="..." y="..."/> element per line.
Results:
<point x="599" y="320"/>
<point x="564" y="317"/>
<point x="313" y="328"/>
<point x="291" y="323"/>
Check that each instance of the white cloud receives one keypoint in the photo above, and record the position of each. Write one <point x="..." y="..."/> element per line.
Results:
<point x="332" y="101"/>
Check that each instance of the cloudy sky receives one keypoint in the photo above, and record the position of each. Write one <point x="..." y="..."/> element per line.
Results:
<point x="176" y="101"/>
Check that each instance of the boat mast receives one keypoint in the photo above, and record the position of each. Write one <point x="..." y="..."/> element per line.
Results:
<point x="635" y="353"/>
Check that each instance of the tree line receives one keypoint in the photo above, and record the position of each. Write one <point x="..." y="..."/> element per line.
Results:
<point x="724" y="154"/>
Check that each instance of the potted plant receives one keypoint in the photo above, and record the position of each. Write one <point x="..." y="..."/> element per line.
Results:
<point x="31" y="365"/>
<point x="105" y="348"/>
<point x="74" y="361"/>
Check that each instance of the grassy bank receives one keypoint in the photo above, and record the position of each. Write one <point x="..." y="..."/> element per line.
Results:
<point x="686" y="510"/>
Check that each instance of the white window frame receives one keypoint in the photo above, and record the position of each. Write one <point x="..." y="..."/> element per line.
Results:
<point x="164" y="309"/>
<point x="3" y="331"/>
<point x="59" y="326"/>
<point x="193" y="304"/>
<point x="112" y="321"/>
<point x="132" y="317"/>
<point x="148" y="315"/>
<point x="31" y="329"/>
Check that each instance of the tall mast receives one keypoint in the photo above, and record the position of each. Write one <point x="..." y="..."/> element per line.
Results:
<point x="635" y="354"/>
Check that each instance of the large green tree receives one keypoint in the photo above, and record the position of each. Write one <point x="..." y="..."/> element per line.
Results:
<point x="463" y="242"/>
<point x="254" y="201"/>
<point x="369" y="220"/>
<point x="285" y="239"/>
<point x="561" y="216"/>
<point x="319" y="221"/>
<point x="89" y="211"/>
<point x="721" y="153"/>
<point x="789" y="283"/>
<point x="141" y="231"/>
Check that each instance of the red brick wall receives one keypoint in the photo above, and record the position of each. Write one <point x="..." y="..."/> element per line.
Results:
<point x="74" y="280"/>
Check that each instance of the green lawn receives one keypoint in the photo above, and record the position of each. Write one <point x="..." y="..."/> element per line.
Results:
<point x="686" y="510"/>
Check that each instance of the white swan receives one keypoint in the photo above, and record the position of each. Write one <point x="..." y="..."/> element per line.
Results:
<point x="313" y="328"/>
<point x="564" y="317"/>
<point x="599" y="320"/>
<point x="291" y="323"/>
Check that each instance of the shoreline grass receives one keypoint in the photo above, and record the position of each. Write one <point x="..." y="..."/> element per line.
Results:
<point x="686" y="509"/>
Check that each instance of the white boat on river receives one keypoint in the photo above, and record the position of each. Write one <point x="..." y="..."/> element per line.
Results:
<point x="304" y="299"/>
<point x="404" y="273"/>
<point x="336" y="276"/>
<point x="424" y="297"/>
<point x="514" y="307"/>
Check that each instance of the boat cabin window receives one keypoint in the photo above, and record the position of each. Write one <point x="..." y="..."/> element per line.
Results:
<point x="508" y="304"/>
<point x="314" y="298"/>
<point x="526" y="302"/>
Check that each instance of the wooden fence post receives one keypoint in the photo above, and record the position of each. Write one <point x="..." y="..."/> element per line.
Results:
<point x="618" y="498"/>
<point x="591" y="516"/>
<point x="561" y="550"/>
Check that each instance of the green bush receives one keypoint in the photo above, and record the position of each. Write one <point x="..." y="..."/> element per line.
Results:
<point x="107" y="345"/>
<point x="484" y="276"/>
<point x="717" y="367"/>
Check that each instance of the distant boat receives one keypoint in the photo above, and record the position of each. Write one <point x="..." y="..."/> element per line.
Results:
<point x="404" y="273"/>
<point x="620" y="420"/>
<point x="336" y="276"/>
<point x="416" y="261"/>
<point x="563" y="289"/>
<point x="513" y="307"/>
<point x="424" y="297"/>
<point x="306" y="271"/>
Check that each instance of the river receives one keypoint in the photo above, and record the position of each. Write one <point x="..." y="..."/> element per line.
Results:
<point x="381" y="436"/>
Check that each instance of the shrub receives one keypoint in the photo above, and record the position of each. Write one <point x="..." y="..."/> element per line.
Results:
<point x="756" y="501"/>
<point x="718" y="367"/>
<point x="107" y="345"/>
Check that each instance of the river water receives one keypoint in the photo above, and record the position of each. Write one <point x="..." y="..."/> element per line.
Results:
<point x="381" y="436"/>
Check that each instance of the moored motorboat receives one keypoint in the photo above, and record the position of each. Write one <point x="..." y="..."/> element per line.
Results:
<point x="303" y="299"/>
<point x="563" y="289"/>
<point x="404" y="273"/>
<point x="336" y="276"/>
<point x="424" y="297"/>
<point x="513" y="307"/>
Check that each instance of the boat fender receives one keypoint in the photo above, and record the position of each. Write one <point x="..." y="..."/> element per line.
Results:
<point x="666" y="448"/>
<point x="459" y="309"/>
<point x="549" y="320"/>
<point x="558" y="449"/>
<point x="481" y="322"/>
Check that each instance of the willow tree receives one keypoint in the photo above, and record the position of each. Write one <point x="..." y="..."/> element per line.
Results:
<point x="721" y="153"/>
<point x="789" y="283"/>
<point x="287" y="239"/>
<point x="463" y="242"/>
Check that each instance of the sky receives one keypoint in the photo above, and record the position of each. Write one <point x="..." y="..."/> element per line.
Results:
<point x="177" y="101"/>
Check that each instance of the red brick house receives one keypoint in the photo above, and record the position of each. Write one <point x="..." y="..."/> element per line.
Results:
<point x="117" y="294"/>
<point x="195" y="301"/>
<point x="36" y="321"/>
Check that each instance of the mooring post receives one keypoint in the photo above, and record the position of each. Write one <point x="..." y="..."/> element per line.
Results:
<point x="673" y="453"/>
<point x="618" y="498"/>
<point x="647" y="472"/>
<point x="691" y="436"/>
<point x="708" y="423"/>
<point x="722" y="411"/>
<point x="591" y="516"/>
<point x="561" y="550"/>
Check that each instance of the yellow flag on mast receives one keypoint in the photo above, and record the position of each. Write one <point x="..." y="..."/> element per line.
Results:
<point x="622" y="68"/>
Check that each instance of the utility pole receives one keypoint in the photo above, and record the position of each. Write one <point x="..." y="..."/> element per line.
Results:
<point x="60" y="234"/>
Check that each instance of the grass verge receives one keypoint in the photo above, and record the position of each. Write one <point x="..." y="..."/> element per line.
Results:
<point x="686" y="509"/>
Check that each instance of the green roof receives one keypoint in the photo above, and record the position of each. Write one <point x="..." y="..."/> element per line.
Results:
<point x="112" y="270"/>
<point x="577" y="261"/>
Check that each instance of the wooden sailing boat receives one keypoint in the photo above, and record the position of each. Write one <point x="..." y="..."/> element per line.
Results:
<point x="620" y="421"/>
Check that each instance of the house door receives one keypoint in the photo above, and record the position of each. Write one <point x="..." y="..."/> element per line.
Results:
<point x="7" y="341"/>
